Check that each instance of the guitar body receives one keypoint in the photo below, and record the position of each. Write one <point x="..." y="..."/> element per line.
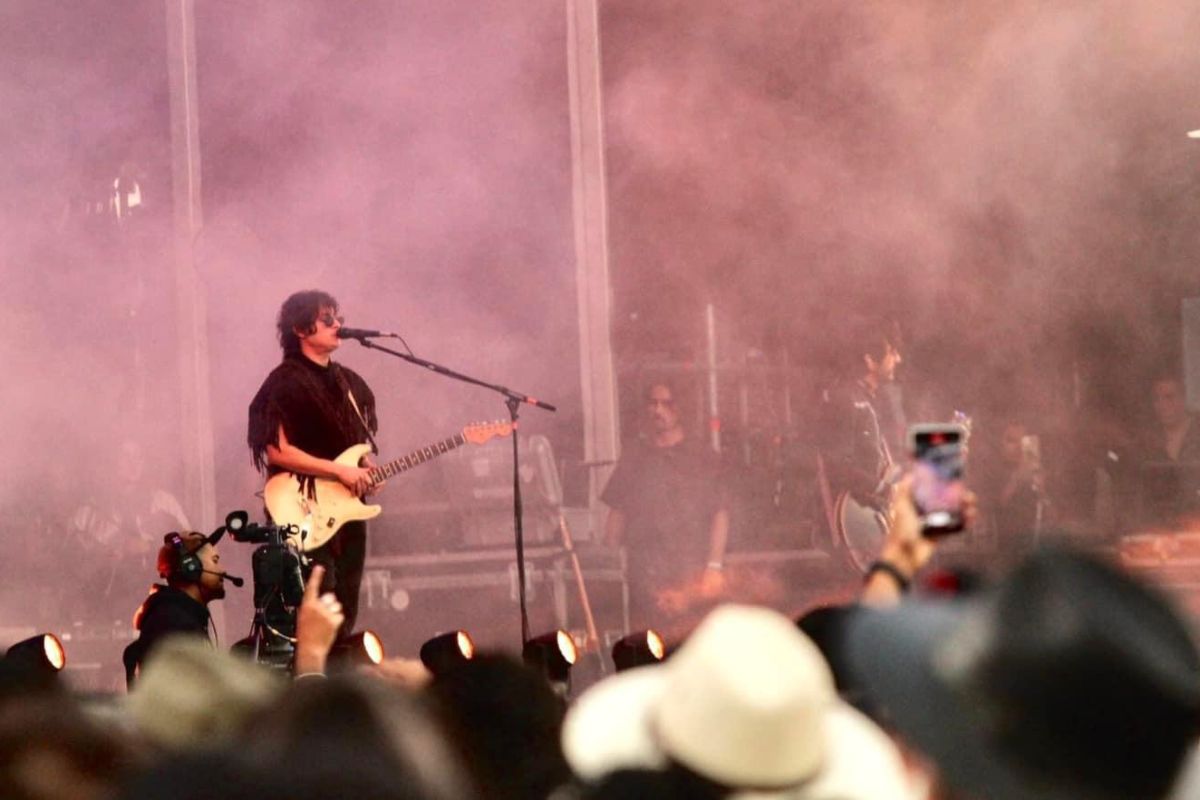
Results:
<point x="319" y="507"/>
<point x="860" y="528"/>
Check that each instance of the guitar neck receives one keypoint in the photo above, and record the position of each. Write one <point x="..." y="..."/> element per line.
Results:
<point x="417" y="457"/>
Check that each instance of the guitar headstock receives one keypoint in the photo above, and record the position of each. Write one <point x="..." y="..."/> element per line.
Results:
<point x="481" y="432"/>
<point x="963" y="420"/>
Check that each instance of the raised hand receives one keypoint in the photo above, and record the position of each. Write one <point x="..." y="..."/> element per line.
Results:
<point x="317" y="622"/>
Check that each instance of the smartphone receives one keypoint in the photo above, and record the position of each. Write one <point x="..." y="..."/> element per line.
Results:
<point x="937" y="484"/>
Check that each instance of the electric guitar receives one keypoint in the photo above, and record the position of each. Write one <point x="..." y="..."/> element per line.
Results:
<point x="862" y="527"/>
<point x="319" y="507"/>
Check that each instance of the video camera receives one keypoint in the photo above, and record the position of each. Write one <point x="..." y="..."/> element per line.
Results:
<point x="241" y="529"/>
<point x="278" y="586"/>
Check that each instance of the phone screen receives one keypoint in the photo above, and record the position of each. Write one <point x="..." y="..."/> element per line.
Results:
<point x="937" y="486"/>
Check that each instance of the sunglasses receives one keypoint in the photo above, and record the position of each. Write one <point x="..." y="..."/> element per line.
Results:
<point x="329" y="319"/>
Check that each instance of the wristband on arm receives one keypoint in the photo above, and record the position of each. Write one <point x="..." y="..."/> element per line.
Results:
<point x="890" y="569"/>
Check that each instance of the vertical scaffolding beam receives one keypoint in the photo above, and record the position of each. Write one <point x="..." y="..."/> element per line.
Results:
<point x="712" y="384"/>
<point x="196" y="410"/>
<point x="601" y="440"/>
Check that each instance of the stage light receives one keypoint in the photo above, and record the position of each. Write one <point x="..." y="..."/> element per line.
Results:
<point x="447" y="651"/>
<point x="43" y="653"/>
<point x="372" y="645"/>
<point x="362" y="648"/>
<point x="638" y="650"/>
<point x="553" y="654"/>
<point x="1194" y="134"/>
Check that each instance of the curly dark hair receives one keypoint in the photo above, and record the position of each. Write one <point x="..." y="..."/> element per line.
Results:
<point x="299" y="312"/>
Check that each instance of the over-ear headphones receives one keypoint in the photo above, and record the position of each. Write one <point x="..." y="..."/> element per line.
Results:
<point x="183" y="564"/>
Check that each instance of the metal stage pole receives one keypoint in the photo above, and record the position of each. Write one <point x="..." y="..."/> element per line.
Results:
<point x="194" y="394"/>
<point x="601" y="440"/>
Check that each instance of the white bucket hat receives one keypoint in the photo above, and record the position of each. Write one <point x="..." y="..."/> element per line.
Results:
<point x="747" y="702"/>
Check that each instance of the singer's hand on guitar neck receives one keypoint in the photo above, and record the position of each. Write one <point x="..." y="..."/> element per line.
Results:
<point x="378" y="483"/>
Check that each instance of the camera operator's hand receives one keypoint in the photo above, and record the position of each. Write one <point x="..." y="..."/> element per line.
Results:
<point x="317" y="623"/>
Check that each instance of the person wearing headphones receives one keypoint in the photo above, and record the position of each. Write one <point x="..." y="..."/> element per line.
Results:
<point x="191" y="566"/>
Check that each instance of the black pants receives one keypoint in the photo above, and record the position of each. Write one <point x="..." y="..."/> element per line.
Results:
<point x="343" y="558"/>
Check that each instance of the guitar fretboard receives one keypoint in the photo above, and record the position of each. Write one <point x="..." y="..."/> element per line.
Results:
<point x="417" y="457"/>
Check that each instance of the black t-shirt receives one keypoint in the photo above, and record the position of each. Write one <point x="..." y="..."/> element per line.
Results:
<point x="167" y="612"/>
<point x="310" y="402"/>
<point x="668" y="496"/>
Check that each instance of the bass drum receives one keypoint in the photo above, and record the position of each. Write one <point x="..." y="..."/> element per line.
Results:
<point x="860" y="528"/>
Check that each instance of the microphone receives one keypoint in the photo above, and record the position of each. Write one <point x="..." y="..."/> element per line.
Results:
<point x="363" y="333"/>
<point x="225" y="576"/>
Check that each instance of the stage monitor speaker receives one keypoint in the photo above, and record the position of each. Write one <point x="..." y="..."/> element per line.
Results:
<point x="478" y="484"/>
<point x="409" y="599"/>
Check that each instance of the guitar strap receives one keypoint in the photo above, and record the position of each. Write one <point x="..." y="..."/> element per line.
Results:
<point x="340" y="377"/>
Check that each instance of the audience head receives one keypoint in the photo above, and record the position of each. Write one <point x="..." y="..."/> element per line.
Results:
<point x="506" y="722"/>
<point x="355" y="736"/>
<point x="210" y="773"/>
<point x="1068" y="680"/>
<point x="51" y="750"/>
<point x="826" y="627"/>
<point x="747" y="704"/>
<point x="670" y="783"/>
<point x="191" y="695"/>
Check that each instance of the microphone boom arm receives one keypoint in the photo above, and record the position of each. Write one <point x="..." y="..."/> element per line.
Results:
<point x="513" y="401"/>
<point x="432" y="366"/>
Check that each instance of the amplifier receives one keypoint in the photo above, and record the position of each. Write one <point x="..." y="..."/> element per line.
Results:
<point x="479" y="485"/>
<point x="409" y="599"/>
<point x="94" y="657"/>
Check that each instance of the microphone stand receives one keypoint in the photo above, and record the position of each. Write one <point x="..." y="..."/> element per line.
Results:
<point x="513" y="401"/>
